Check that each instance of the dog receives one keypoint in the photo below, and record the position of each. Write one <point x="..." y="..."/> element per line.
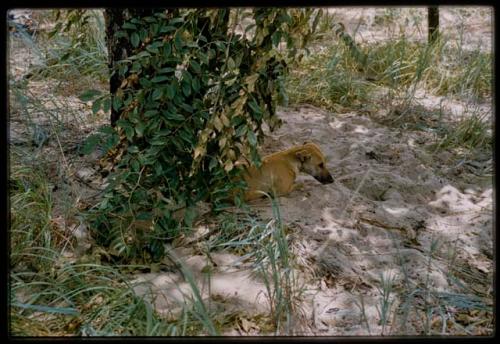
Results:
<point x="279" y="170"/>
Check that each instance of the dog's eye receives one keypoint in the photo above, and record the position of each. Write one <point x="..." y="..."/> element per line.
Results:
<point x="321" y="165"/>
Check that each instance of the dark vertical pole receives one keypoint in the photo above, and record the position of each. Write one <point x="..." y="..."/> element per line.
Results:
<point x="114" y="19"/>
<point x="433" y="21"/>
<point x="119" y="48"/>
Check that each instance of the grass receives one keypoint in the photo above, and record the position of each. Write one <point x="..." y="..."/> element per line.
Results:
<point x="329" y="79"/>
<point x="423" y="304"/>
<point x="471" y="133"/>
<point x="267" y="246"/>
<point x="275" y="266"/>
<point x="31" y="215"/>
<point x="332" y="78"/>
<point x="79" y="51"/>
<point x="52" y="295"/>
<point x="386" y="303"/>
<point x="408" y="308"/>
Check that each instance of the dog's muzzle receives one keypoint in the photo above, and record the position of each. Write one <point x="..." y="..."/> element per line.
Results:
<point x="326" y="179"/>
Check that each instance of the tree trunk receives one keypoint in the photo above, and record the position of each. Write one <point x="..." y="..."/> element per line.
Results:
<point x="118" y="47"/>
<point x="433" y="22"/>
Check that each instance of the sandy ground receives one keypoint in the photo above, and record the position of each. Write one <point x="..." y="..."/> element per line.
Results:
<point x="392" y="200"/>
<point x="472" y="26"/>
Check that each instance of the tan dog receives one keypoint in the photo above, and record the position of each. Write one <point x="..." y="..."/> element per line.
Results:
<point x="279" y="170"/>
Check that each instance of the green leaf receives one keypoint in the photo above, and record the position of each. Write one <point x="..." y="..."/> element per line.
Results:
<point x="160" y="78"/>
<point x="121" y="34"/>
<point x="143" y="33"/>
<point x="136" y="67"/>
<point x="173" y="116"/>
<point x="189" y="216"/>
<point x="195" y="84"/>
<point x="157" y="93"/>
<point x="158" y="169"/>
<point x="107" y="129"/>
<point x="252" y="139"/>
<point x="144" y="216"/>
<point x="150" y="113"/>
<point x="171" y="91"/>
<point x="117" y="103"/>
<point x="106" y="104"/>
<point x="167" y="50"/>
<point x="155" y="29"/>
<point x="213" y="163"/>
<point x="139" y="129"/>
<point x="187" y="107"/>
<point x="89" y="95"/>
<point x="186" y="136"/>
<point x="230" y="63"/>
<point x="129" y="132"/>
<point x="159" y="141"/>
<point x="176" y="21"/>
<point x="220" y="45"/>
<point x="255" y="108"/>
<point x="143" y="54"/>
<point x="168" y="28"/>
<point x="133" y="149"/>
<point x="152" y="49"/>
<point x="90" y="143"/>
<point x="134" y="39"/>
<point x="96" y="106"/>
<point x="276" y="37"/>
<point x="241" y="130"/>
<point x="166" y="70"/>
<point x="129" y="26"/>
<point x="203" y="57"/>
<point x="196" y="67"/>
<point x="178" y="42"/>
<point x="186" y="88"/>
<point x="46" y="309"/>
<point x="145" y="82"/>
<point x="149" y="19"/>
<point x="135" y="165"/>
<point x="121" y="123"/>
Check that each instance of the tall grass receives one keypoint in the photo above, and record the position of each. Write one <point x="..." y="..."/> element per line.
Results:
<point x="266" y="245"/>
<point x="274" y="265"/>
<point x="331" y="76"/>
<point x="422" y="303"/>
<point x="31" y="213"/>
<point x="472" y="132"/>
<point x="79" y="49"/>
<point x="330" y="79"/>
<point x="51" y="295"/>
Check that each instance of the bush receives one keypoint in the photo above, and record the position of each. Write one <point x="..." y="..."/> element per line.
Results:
<point x="194" y="93"/>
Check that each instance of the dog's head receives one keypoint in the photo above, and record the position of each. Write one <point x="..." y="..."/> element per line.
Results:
<point x="312" y="161"/>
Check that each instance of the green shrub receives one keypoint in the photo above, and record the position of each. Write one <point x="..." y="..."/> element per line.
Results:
<point x="193" y="96"/>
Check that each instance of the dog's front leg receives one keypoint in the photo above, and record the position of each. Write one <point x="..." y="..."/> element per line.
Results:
<point x="297" y="186"/>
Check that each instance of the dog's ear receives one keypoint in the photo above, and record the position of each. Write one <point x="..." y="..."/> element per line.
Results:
<point x="303" y="155"/>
